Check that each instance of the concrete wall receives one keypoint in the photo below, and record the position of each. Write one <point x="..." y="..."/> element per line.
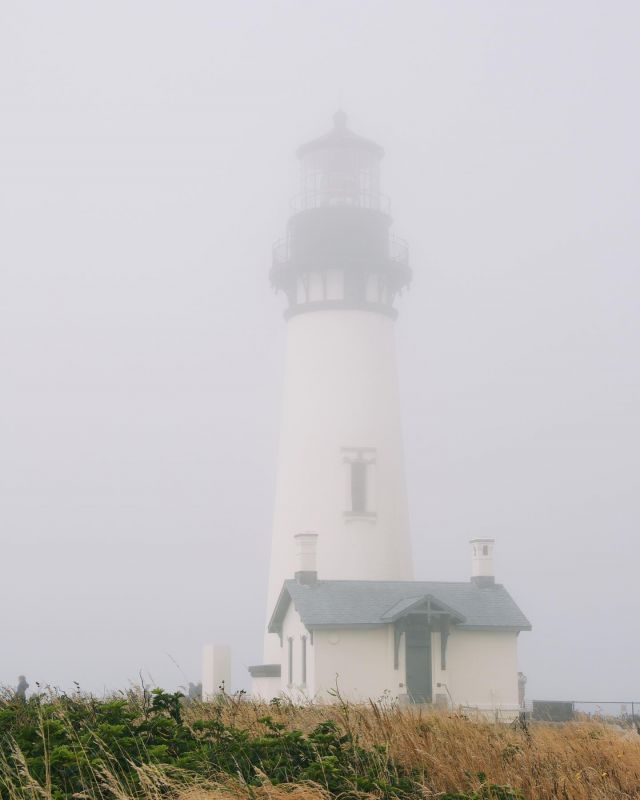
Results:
<point x="340" y="392"/>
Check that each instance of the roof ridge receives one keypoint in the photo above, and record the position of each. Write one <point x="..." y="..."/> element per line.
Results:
<point x="401" y="582"/>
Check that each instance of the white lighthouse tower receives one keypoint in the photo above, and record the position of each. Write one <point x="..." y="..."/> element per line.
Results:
<point x="341" y="468"/>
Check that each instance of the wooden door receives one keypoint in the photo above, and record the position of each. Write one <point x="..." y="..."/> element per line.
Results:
<point x="418" y="661"/>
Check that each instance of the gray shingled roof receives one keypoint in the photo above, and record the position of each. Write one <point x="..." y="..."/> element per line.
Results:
<point x="364" y="603"/>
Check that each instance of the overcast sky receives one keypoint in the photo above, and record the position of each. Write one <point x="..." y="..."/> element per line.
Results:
<point x="146" y="166"/>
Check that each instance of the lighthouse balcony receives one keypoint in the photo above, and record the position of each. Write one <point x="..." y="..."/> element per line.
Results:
<point x="340" y="277"/>
<point x="335" y="198"/>
<point x="315" y="285"/>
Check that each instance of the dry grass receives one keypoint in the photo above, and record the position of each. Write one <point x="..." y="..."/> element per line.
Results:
<point x="586" y="760"/>
<point x="267" y="792"/>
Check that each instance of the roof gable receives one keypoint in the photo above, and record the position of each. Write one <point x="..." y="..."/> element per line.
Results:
<point x="280" y="611"/>
<point x="427" y="604"/>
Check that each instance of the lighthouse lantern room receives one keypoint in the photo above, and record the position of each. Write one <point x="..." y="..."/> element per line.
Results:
<point x="338" y="252"/>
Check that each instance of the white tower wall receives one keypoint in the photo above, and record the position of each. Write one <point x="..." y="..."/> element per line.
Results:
<point x="340" y="403"/>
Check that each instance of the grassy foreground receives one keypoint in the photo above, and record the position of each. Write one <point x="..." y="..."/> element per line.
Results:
<point x="140" y="745"/>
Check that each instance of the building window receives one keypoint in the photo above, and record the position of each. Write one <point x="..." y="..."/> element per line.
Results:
<point x="304" y="660"/>
<point x="290" y="661"/>
<point x="360" y="464"/>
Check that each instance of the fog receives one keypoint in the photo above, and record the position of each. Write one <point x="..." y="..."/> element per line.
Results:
<point x="146" y="167"/>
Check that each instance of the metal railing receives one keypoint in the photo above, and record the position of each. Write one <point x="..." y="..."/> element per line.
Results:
<point x="329" y="199"/>
<point x="399" y="251"/>
<point x="625" y="714"/>
<point x="621" y="712"/>
<point x="280" y="252"/>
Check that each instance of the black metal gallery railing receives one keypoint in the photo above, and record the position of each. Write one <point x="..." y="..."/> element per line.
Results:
<point x="319" y="198"/>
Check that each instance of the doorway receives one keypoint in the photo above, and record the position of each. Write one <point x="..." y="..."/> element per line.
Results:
<point x="418" y="660"/>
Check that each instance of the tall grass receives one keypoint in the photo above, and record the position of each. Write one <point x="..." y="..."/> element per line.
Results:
<point x="158" y="747"/>
<point x="586" y="760"/>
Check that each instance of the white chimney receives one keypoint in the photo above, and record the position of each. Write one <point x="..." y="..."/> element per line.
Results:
<point x="306" y="563"/>
<point x="482" y="573"/>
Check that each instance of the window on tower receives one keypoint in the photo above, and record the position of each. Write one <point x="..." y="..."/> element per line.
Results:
<point x="358" y="486"/>
<point x="360" y="464"/>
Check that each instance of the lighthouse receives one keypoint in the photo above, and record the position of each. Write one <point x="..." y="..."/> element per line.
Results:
<point x="340" y="467"/>
<point x="342" y="604"/>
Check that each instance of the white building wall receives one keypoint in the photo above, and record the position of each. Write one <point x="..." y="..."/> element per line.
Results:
<point x="266" y="688"/>
<point x="482" y="669"/>
<point x="359" y="662"/>
<point x="481" y="672"/>
<point x="297" y="689"/>
<point x="340" y="392"/>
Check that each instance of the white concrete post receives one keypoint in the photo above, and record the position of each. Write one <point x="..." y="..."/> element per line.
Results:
<point x="216" y="670"/>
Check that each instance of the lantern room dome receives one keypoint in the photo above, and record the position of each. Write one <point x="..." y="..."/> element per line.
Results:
<point x="340" y="137"/>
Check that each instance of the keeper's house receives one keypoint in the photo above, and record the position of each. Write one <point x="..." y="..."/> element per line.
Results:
<point x="452" y="644"/>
